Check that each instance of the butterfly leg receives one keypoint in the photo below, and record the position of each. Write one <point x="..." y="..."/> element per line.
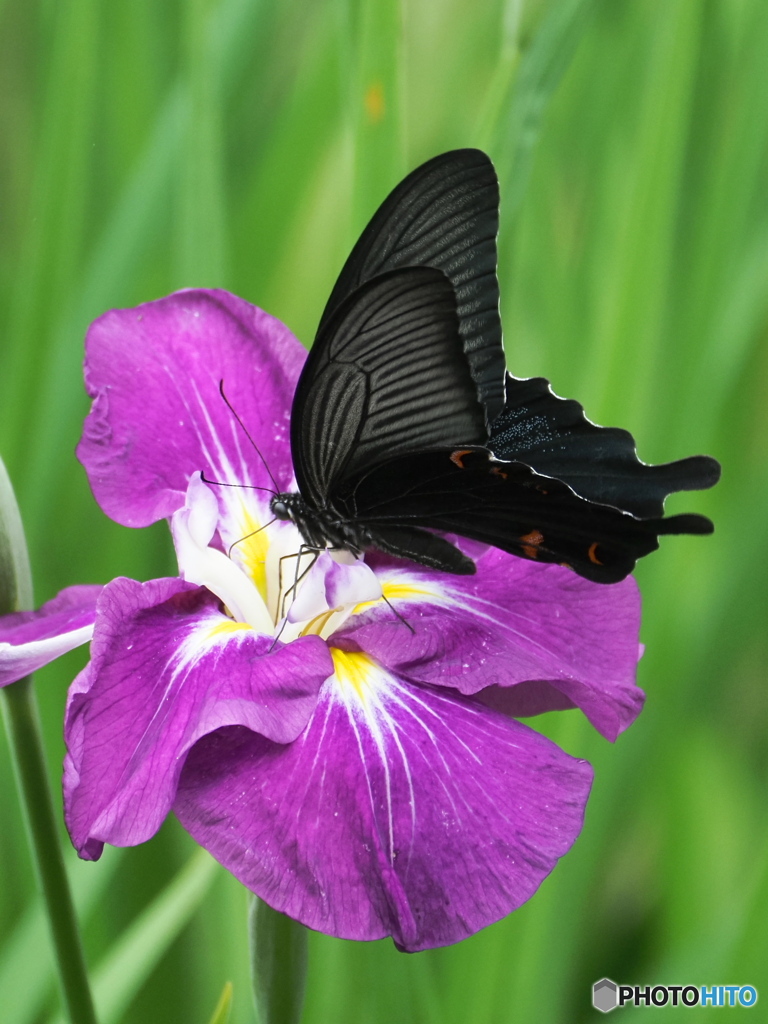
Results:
<point x="248" y="536"/>
<point x="298" y="576"/>
<point x="397" y="614"/>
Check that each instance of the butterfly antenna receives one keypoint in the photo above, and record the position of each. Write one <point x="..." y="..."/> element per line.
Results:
<point x="223" y="483"/>
<point x="247" y="434"/>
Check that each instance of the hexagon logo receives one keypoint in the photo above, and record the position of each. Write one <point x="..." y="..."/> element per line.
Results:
<point x="605" y="995"/>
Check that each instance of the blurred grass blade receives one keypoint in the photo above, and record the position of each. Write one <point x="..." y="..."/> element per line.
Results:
<point x="224" y="1006"/>
<point x="749" y="952"/>
<point x="541" y="68"/>
<point x="201" y="256"/>
<point x="136" y="953"/>
<point x="26" y="977"/>
<point x="376" y="98"/>
<point x="53" y="243"/>
<point x="497" y="97"/>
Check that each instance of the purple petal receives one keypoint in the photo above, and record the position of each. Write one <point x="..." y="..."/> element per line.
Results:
<point x="74" y="728"/>
<point x="525" y="699"/>
<point x="166" y="668"/>
<point x="402" y="810"/>
<point x="333" y="585"/>
<point x="516" y="622"/>
<point x="157" y="415"/>
<point x="350" y="583"/>
<point x="29" y="640"/>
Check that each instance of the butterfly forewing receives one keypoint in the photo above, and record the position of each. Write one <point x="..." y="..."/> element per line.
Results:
<point x="386" y="375"/>
<point x="445" y="215"/>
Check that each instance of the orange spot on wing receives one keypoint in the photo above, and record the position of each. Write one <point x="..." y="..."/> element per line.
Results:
<point x="593" y="554"/>
<point x="456" y="457"/>
<point x="499" y="472"/>
<point x="531" y="542"/>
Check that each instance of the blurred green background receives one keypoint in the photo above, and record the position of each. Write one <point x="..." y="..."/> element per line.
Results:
<point x="243" y="144"/>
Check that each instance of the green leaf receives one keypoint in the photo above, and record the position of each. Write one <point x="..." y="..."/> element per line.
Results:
<point x="540" y="71"/>
<point x="376" y="101"/>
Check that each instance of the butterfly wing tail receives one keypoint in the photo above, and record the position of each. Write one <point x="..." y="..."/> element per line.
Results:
<point x="688" y="522"/>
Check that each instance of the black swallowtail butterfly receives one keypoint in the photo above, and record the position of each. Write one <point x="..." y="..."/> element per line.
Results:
<point x="405" y="420"/>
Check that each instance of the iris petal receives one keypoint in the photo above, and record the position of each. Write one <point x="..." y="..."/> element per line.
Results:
<point x="168" y="667"/>
<point x="402" y="810"/>
<point x="154" y="374"/>
<point x="29" y="640"/>
<point x="514" y="622"/>
<point x="193" y="528"/>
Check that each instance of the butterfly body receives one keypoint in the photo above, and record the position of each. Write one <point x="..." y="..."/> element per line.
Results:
<point x="321" y="527"/>
<point x="406" y="425"/>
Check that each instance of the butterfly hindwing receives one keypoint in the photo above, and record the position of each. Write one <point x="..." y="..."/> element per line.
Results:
<point x="554" y="437"/>
<point x="506" y="504"/>
<point x="445" y="215"/>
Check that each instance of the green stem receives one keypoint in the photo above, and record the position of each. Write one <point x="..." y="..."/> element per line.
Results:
<point x="22" y="723"/>
<point x="23" y="727"/>
<point x="278" y="963"/>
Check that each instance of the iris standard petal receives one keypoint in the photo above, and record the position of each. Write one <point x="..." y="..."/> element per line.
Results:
<point x="167" y="667"/>
<point x="193" y="528"/>
<point x="402" y="810"/>
<point x="570" y="641"/>
<point x="29" y="640"/>
<point x="158" y="416"/>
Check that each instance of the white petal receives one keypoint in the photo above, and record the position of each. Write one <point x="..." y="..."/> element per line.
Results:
<point x="192" y="528"/>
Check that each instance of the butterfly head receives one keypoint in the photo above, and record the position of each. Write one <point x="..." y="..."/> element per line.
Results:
<point x="283" y="506"/>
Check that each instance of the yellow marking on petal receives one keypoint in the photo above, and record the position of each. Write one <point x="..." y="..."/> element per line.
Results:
<point x="395" y="592"/>
<point x="227" y="627"/>
<point x="354" y="669"/>
<point x="253" y="551"/>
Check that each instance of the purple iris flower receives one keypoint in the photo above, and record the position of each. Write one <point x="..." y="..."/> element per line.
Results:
<point x="366" y="777"/>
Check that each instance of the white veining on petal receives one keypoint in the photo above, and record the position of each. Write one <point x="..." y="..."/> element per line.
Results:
<point x="473" y="606"/>
<point x="219" y="460"/>
<point x="207" y="632"/>
<point x="386" y="715"/>
<point x="362" y="687"/>
<point x="28" y="657"/>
